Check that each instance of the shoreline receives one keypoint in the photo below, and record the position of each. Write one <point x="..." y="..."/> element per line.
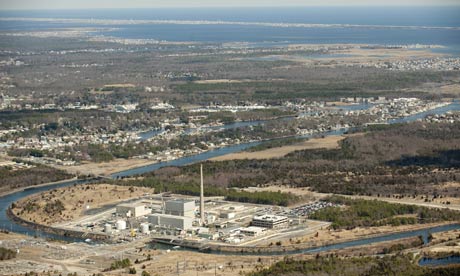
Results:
<point x="6" y="193"/>
<point x="293" y="249"/>
<point x="105" y="22"/>
<point x="56" y="231"/>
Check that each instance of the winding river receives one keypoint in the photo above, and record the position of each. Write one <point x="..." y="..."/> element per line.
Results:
<point x="7" y="200"/>
<point x="439" y="261"/>
<point x="424" y="233"/>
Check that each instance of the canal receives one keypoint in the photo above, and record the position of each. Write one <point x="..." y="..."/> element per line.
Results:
<point x="7" y="200"/>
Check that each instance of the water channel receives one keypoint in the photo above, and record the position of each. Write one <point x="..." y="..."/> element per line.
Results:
<point x="455" y="259"/>
<point x="7" y="200"/>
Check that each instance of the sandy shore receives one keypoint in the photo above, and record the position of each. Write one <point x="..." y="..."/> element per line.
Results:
<point x="329" y="142"/>
<point x="106" y="168"/>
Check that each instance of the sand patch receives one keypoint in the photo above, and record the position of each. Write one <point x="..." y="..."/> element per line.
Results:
<point x="330" y="142"/>
<point x="106" y="168"/>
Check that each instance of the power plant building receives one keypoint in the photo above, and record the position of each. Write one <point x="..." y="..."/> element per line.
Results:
<point x="270" y="221"/>
<point x="132" y="210"/>
<point x="227" y="214"/>
<point x="252" y="231"/>
<point x="171" y="221"/>
<point x="180" y="207"/>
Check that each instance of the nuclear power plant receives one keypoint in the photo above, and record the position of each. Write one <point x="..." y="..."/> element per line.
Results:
<point x="194" y="219"/>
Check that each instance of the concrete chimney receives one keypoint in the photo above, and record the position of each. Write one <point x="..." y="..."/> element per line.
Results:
<point x="201" y="197"/>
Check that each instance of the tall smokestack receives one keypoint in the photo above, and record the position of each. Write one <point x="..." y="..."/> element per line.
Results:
<point x="201" y="197"/>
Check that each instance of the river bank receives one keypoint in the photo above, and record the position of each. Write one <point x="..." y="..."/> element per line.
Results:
<point x="419" y="230"/>
<point x="106" y="168"/>
<point x="78" y="235"/>
<point x="6" y="201"/>
<point x="36" y="186"/>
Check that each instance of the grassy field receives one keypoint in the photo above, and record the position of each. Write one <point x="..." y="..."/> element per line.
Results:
<point x="330" y="142"/>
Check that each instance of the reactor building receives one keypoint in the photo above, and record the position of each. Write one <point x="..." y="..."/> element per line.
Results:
<point x="180" y="207"/>
<point x="179" y="213"/>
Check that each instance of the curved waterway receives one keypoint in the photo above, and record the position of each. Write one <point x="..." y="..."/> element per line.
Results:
<point x="7" y="200"/>
<point x="424" y="233"/>
<point x="439" y="261"/>
<point x="154" y="132"/>
<point x="207" y="155"/>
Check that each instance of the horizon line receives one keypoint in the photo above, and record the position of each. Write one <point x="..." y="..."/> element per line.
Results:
<point x="238" y="7"/>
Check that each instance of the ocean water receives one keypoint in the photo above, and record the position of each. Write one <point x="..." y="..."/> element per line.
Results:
<point x="403" y="16"/>
<point x="415" y="19"/>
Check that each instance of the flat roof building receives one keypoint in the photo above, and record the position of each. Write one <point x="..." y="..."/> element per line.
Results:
<point x="227" y="214"/>
<point x="171" y="221"/>
<point x="270" y="221"/>
<point x="180" y="207"/>
<point x="252" y="231"/>
<point x="132" y="210"/>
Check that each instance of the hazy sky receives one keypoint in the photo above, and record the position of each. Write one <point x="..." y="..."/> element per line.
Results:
<point x="87" y="4"/>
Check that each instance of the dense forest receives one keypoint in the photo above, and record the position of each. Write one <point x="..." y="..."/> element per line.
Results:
<point x="366" y="213"/>
<point x="408" y="159"/>
<point x="383" y="82"/>
<point x="39" y="174"/>
<point x="276" y="143"/>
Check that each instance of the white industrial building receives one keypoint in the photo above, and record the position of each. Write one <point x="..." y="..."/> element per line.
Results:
<point x="132" y="210"/>
<point x="180" y="207"/>
<point x="270" y="221"/>
<point x="120" y="224"/>
<point x="252" y="231"/>
<point x="171" y="221"/>
<point x="227" y="214"/>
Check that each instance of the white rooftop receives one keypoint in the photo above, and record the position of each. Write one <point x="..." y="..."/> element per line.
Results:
<point x="272" y="218"/>
<point x="253" y="229"/>
<point x="131" y="205"/>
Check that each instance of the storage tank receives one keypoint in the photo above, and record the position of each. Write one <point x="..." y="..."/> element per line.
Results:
<point x="121" y="225"/>
<point x="145" y="228"/>
<point x="108" y="228"/>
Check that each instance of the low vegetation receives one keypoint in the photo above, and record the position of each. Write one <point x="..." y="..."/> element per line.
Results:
<point x="119" y="264"/>
<point x="6" y="254"/>
<point x="12" y="179"/>
<point x="397" y="265"/>
<point x="55" y="207"/>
